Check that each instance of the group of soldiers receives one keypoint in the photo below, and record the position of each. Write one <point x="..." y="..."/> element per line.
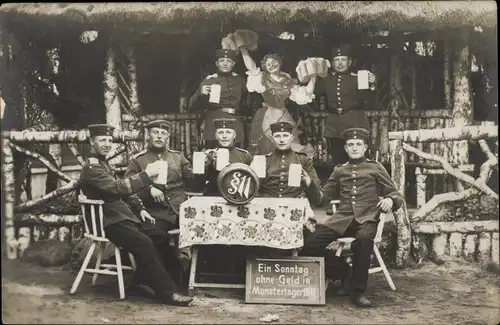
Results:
<point x="139" y="213"/>
<point x="346" y="104"/>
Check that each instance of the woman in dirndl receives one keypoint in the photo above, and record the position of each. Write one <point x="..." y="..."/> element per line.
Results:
<point x="276" y="88"/>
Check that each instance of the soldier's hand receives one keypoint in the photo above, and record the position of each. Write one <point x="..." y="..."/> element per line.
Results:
<point x="371" y="78"/>
<point x="154" y="168"/>
<point x="146" y="216"/>
<point x="306" y="179"/>
<point x="157" y="195"/>
<point x="205" y="90"/>
<point x="385" y="204"/>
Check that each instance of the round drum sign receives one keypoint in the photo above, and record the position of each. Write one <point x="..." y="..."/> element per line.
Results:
<point x="238" y="183"/>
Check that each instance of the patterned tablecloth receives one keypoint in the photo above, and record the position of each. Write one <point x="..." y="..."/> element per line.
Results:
<point x="270" y="222"/>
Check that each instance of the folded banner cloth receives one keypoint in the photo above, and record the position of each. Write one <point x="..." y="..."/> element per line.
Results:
<point x="269" y="222"/>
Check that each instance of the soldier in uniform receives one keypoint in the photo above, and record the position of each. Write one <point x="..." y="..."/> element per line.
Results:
<point x="225" y="133"/>
<point x="233" y="87"/>
<point x="358" y="184"/>
<point x="163" y="201"/>
<point x="235" y="256"/>
<point x="346" y="104"/>
<point x="121" y="225"/>
<point x="278" y="162"/>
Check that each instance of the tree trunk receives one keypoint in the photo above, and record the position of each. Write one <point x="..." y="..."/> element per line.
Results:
<point x="448" y="82"/>
<point x="401" y="216"/>
<point x="8" y="200"/>
<point x="396" y="86"/>
<point x="413" y="69"/>
<point x="462" y="97"/>
<point x="111" y="100"/>
<point x="135" y="108"/>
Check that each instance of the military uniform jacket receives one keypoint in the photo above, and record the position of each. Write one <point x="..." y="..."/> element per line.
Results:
<point x="180" y="175"/>
<point x="233" y="87"/>
<point x="345" y="103"/>
<point x="276" y="182"/>
<point x="358" y="186"/>
<point x="98" y="182"/>
<point x="236" y="155"/>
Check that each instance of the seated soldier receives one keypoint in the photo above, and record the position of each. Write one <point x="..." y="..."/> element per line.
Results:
<point x="234" y="257"/>
<point x="225" y="134"/>
<point x="121" y="225"/>
<point x="358" y="183"/>
<point x="278" y="162"/>
<point x="163" y="201"/>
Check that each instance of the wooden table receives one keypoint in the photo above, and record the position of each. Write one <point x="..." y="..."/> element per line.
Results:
<point x="268" y="222"/>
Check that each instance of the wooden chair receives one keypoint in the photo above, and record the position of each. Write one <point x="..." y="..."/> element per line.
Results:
<point x="92" y="213"/>
<point x="342" y="250"/>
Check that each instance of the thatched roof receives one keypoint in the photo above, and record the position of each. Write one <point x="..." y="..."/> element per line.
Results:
<point x="175" y="17"/>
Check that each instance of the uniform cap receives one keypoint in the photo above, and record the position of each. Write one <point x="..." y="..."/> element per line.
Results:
<point x="343" y="50"/>
<point x="356" y="133"/>
<point x="225" y="123"/>
<point x="282" y="127"/>
<point x="225" y="53"/>
<point x="100" y="129"/>
<point x="162" y="124"/>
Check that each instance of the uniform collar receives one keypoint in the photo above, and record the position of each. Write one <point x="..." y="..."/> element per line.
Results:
<point x="95" y="155"/>
<point x="357" y="161"/>
<point x="283" y="152"/>
<point x="157" y="151"/>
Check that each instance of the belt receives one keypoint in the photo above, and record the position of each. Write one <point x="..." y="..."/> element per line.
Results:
<point x="228" y="110"/>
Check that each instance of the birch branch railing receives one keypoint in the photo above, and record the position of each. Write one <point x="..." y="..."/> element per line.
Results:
<point x="13" y="141"/>
<point x="398" y="168"/>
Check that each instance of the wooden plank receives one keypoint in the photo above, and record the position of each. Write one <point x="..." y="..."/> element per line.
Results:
<point x="446" y="134"/>
<point x="460" y="227"/>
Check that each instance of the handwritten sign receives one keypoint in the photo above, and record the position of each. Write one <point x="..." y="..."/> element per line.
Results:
<point x="295" y="280"/>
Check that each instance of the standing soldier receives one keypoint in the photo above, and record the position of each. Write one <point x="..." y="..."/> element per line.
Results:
<point x="225" y="133"/>
<point x="121" y="225"/>
<point x="277" y="165"/>
<point x="162" y="201"/>
<point x="231" y="87"/>
<point x="358" y="183"/>
<point x="346" y="104"/>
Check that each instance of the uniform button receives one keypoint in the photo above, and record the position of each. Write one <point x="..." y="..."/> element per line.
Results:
<point x="279" y="195"/>
<point x="353" y="203"/>
<point x="354" y="180"/>
<point x="353" y="197"/>
<point x="281" y="190"/>
<point x="282" y="166"/>
<point x="282" y="178"/>
<point x="354" y="187"/>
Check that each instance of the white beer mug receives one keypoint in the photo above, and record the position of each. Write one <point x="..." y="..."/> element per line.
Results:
<point x="161" y="178"/>
<point x="198" y="162"/>
<point x="363" y="80"/>
<point x="222" y="159"/>
<point x="215" y="90"/>
<point x="294" y="175"/>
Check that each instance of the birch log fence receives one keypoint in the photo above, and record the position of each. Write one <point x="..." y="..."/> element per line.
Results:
<point x="428" y="238"/>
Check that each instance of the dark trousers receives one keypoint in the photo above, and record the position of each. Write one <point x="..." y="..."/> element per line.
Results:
<point x="150" y="248"/>
<point x="315" y="244"/>
<point x="336" y="149"/>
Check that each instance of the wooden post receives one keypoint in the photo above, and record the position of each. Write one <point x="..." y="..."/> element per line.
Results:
<point x="470" y="247"/>
<point x="439" y="246"/>
<point x="495" y="253"/>
<point x="397" y="156"/>
<point x="455" y="244"/>
<point x="447" y="56"/>
<point x="111" y="100"/>
<point x="484" y="248"/>
<point x="8" y="190"/>
<point x="421" y="186"/>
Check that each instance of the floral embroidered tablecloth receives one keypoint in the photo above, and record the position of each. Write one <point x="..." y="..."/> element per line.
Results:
<point x="270" y="222"/>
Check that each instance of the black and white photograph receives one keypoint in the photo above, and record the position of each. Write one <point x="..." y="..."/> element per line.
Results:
<point x="295" y="162"/>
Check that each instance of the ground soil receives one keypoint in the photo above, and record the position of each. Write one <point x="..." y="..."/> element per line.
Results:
<point x="455" y="292"/>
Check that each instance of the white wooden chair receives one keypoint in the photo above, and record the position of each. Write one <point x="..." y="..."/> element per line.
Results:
<point x="341" y="248"/>
<point x="92" y="212"/>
